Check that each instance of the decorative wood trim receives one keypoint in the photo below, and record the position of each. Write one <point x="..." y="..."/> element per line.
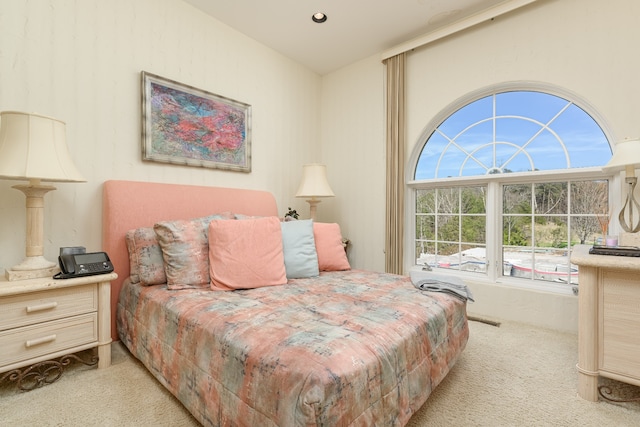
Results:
<point x="455" y="27"/>
<point x="43" y="373"/>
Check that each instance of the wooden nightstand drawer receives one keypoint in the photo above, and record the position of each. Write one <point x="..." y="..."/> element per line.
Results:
<point x="36" y="340"/>
<point x="619" y="324"/>
<point x="36" y="307"/>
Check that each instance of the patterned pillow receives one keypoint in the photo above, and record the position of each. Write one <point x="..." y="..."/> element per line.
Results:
<point x="185" y="250"/>
<point x="145" y="257"/>
<point x="134" y="277"/>
<point x="331" y="253"/>
<point x="246" y="254"/>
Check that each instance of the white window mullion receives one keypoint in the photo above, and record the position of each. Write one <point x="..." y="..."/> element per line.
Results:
<point x="494" y="230"/>
<point x="410" y="229"/>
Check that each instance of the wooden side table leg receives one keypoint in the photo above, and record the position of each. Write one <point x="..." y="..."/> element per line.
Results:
<point x="587" y="385"/>
<point x="104" y="325"/>
<point x="104" y="356"/>
<point x="588" y="334"/>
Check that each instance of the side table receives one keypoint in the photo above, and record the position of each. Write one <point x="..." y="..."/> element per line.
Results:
<point x="609" y="320"/>
<point x="43" y="319"/>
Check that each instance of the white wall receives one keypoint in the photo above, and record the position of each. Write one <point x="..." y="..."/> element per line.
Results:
<point x="80" y="61"/>
<point x="353" y="148"/>
<point x="587" y="47"/>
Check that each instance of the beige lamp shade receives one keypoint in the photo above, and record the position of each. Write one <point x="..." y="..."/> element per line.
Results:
<point x="314" y="182"/>
<point x="626" y="154"/>
<point x="34" y="147"/>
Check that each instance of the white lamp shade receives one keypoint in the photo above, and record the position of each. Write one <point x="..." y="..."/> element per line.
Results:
<point x="34" y="147"/>
<point x="314" y="182"/>
<point x="626" y="153"/>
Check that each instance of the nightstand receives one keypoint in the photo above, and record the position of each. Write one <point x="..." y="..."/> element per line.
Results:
<point x="43" y="319"/>
<point x="608" y="321"/>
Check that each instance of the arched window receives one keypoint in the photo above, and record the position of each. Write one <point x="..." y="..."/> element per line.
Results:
<point x="505" y="185"/>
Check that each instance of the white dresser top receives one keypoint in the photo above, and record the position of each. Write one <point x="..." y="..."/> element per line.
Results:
<point x="581" y="256"/>
<point x="45" y="283"/>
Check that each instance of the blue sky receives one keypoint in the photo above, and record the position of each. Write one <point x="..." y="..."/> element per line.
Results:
<point x="529" y="130"/>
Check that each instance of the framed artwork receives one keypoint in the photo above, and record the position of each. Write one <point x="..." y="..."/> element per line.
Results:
<point x="188" y="126"/>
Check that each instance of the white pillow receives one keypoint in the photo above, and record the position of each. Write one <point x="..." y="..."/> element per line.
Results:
<point x="300" y="256"/>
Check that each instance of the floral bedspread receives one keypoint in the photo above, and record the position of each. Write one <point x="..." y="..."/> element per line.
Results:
<point x="350" y="348"/>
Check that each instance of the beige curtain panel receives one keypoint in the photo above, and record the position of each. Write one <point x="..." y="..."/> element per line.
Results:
<point x="395" y="149"/>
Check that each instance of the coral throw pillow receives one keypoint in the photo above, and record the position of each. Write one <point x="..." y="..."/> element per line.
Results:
<point x="246" y="254"/>
<point x="331" y="253"/>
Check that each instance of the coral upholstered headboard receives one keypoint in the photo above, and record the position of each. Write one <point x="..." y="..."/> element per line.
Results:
<point x="129" y="204"/>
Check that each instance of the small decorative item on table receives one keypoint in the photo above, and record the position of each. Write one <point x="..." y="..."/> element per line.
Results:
<point x="291" y="215"/>
<point x="605" y="239"/>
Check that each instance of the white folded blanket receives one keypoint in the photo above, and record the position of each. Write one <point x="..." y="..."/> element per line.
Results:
<point x="428" y="281"/>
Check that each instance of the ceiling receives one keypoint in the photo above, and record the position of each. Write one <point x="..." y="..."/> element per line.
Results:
<point x="354" y="30"/>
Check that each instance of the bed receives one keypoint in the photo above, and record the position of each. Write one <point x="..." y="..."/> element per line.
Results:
<point x="343" y="347"/>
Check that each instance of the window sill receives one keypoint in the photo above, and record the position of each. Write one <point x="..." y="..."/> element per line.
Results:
<point x="524" y="284"/>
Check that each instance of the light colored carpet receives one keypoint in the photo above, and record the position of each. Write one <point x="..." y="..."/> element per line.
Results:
<point x="512" y="375"/>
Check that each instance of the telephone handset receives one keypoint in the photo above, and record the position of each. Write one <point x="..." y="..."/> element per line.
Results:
<point x="75" y="262"/>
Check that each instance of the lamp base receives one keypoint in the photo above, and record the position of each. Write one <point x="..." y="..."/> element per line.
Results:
<point x="627" y="218"/>
<point x="629" y="239"/>
<point x="13" y="275"/>
<point x="313" y="206"/>
<point x="31" y="268"/>
<point x="34" y="264"/>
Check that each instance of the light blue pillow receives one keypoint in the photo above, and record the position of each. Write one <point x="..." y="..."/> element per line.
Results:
<point x="299" y="247"/>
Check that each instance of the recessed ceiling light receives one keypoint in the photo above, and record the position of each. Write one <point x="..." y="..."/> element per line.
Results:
<point x="319" y="17"/>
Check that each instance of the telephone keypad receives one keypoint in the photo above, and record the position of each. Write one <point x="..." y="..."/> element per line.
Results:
<point x="94" y="267"/>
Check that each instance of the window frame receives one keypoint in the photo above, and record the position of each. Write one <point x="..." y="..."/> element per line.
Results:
<point x="494" y="185"/>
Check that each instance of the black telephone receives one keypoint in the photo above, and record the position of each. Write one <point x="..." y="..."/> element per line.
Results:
<point x="75" y="262"/>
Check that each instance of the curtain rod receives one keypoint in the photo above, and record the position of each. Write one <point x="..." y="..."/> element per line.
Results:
<point x="463" y="24"/>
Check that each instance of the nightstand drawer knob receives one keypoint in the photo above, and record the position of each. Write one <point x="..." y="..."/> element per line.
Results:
<point x="38" y="341"/>
<point x="41" y="307"/>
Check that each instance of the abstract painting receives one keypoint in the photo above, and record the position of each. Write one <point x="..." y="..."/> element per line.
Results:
<point x="189" y="126"/>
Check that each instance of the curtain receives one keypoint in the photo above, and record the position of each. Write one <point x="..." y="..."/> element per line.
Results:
<point x="395" y="152"/>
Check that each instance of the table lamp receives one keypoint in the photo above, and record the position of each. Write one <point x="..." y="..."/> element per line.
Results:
<point x="33" y="148"/>
<point x="626" y="156"/>
<point x="314" y="185"/>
